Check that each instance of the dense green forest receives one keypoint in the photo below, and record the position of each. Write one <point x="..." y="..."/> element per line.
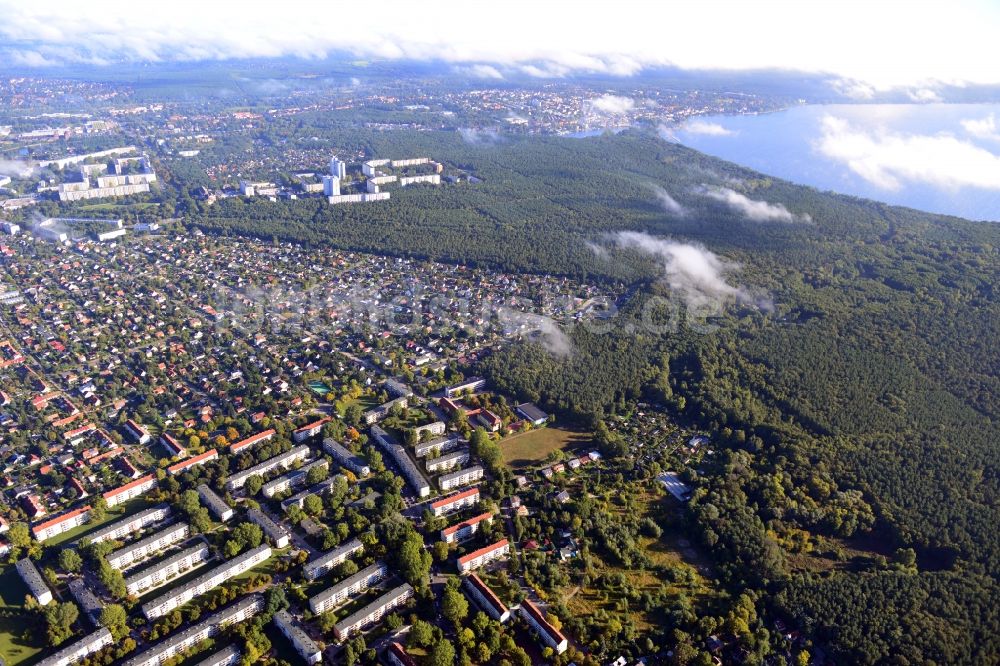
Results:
<point x="864" y="405"/>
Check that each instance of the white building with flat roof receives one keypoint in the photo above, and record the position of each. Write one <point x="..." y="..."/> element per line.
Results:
<point x="374" y="611"/>
<point x="284" y="460"/>
<point x="460" y="477"/>
<point x="33" y="581"/>
<point x="160" y="573"/>
<point x="140" y="550"/>
<point x="305" y="646"/>
<point x="334" y="596"/>
<point x="79" y="650"/>
<point x="325" y="563"/>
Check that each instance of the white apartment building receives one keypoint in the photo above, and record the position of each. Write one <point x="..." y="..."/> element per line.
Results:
<point x="242" y="610"/>
<point x="278" y="534"/>
<point x="448" y="461"/>
<point x="374" y="611"/>
<point x="456" y="502"/>
<point x="34" y="581"/>
<point x="483" y="556"/>
<point x="140" y="550"/>
<point x="130" y="525"/>
<point x="332" y="597"/>
<point x="460" y="477"/>
<point x="215" y="504"/>
<point x="156" y="575"/>
<point x="304" y="645"/>
<point x="325" y="563"/>
<point x="79" y="650"/>
<point x="130" y="490"/>
<point x="175" y="598"/>
<point x="285" y="460"/>
<point x="465" y="529"/>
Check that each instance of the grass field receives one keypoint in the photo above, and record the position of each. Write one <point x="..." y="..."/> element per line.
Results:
<point x="14" y="650"/>
<point x="108" y="207"/>
<point x="532" y="447"/>
<point x="116" y="513"/>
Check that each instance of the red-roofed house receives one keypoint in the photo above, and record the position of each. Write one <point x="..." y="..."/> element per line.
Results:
<point x="455" y="502"/>
<point x="60" y="524"/>
<point x="548" y="634"/>
<point x="199" y="459"/>
<point x="252" y="440"/>
<point x="310" y="430"/>
<point x="465" y="529"/>
<point x="478" y="558"/>
<point x="130" y="490"/>
<point x="486" y="598"/>
<point x="137" y="431"/>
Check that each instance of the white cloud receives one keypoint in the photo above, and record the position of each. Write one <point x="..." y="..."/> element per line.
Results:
<point x="480" y="71"/>
<point x="924" y="96"/>
<point x="853" y="88"/>
<point x="612" y="104"/>
<point x="16" y="168"/>
<point x="697" y="275"/>
<point x="478" y="137"/>
<point x="707" y="128"/>
<point x="539" y="328"/>
<point x="753" y="209"/>
<point x="983" y="128"/>
<point x="669" y="204"/>
<point x="888" y="160"/>
<point x="553" y="42"/>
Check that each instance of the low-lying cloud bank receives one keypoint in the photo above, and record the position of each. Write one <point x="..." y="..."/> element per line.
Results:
<point x="752" y="209"/>
<point x="697" y="275"/>
<point x="706" y="128"/>
<point x="612" y="105"/>
<point x="890" y="160"/>
<point x="669" y="204"/>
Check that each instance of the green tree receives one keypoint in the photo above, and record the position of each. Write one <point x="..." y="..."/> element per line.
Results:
<point x="59" y="619"/>
<point x="70" y="560"/>
<point x="454" y="606"/>
<point x="443" y="654"/>
<point x="115" y="618"/>
<point x="253" y="484"/>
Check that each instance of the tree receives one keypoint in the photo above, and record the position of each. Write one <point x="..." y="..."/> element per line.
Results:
<point x="316" y="474"/>
<point x="421" y="634"/>
<point x="454" y="606"/>
<point x="275" y="601"/>
<point x="98" y="510"/>
<point x="313" y="505"/>
<point x="443" y="654"/>
<point x="115" y="618"/>
<point x="440" y="551"/>
<point x="253" y="484"/>
<point x="59" y="618"/>
<point x="19" y="535"/>
<point x="70" y="560"/>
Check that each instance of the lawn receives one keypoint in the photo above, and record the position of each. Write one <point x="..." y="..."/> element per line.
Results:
<point x="13" y="648"/>
<point x="533" y="447"/>
<point x="115" y="513"/>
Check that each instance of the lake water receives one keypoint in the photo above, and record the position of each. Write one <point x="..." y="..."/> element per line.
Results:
<point x="943" y="158"/>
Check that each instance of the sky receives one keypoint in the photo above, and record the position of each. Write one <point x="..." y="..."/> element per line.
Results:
<point x="864" y="45"/>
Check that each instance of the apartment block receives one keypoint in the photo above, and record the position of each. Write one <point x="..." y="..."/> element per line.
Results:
<point x="483" y="556"/>
<point x="140" y="550"/>
<point x="241" y="611"/>
<point x="80" y="650"/>
<point x="486" y="598"/>
<point x="460" y="477"/>
<point x="284" y="460"/>
<point x="215" y="504"/>
<point x="130" y="525"/>
<point x="345" y="458"/>
<point x="455" y="502"/>
<point x="304" y="645"/>
<point x="373" y="612"/>
<point x="353" y="585"/>
<point x="159" y="573"/>
<point x="278" y="534"/>
<point x="130" y="490"/>
<point x="324" y="564"/>
<point x="175" y="598"/>
<point x="34" y="581"/>
<point x="64" y="523"/>
<point x="465" y="529"/>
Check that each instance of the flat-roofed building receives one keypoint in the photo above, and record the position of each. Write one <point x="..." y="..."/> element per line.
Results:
<point x="34" y="581"/>
<point x="200" y="459"/>
<point x="79" y="650"/>
<point x="334" y="596"/>
<point x="89" y="603"/>
<point x="376" y="414"/>
<point x="278" y="534"/>
<point x="291" y="480"/>
<point x="227" y="656"/>
<point x="456" y="502"/>
<point x="177" y="597"/>
<point x="305" y="646"/>
<point x="130" y="525"/>
<point x="324" y="487"/>
<point x="285" y="460"/>
<point x="345" y="458"/>
<point x="486" y="598"/>
<point x="215" y="504"/>
<point x="410" y="471"/>
<point x="64" y="523"/>
<point x="448" y="461"/>
<point x="240" y="611"/>
<point x="460" y="477"/>
<point x="140" y="550"/>
<point x="437" y="428"/>
<point x="325" y="563"/>
<point x="465" y="529"/>
<point x="159" y="573"/>
<point x="471" y="385"/>
<point x="483" y="556"/>
<point x="549" y="635"/>
<point x="373" y="612"/>
<point x="436" y="447"/>
<point x="130" y="490"/>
